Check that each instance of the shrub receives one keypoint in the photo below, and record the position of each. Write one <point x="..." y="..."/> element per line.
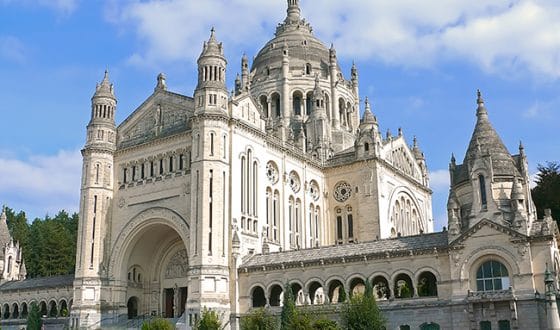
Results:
<point x="259" y="319"/>
<point x="209" y="320"/>
<point x="324" y="324"/>
<point x="157" y="324"/>
<point x="362" y="313"/>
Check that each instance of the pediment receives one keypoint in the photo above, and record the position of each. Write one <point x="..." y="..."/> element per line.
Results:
<point x="246" y="110"/>
<point x="487" y="229"/>
<point x="162" y="114"/>
<point x="398" y="153"/>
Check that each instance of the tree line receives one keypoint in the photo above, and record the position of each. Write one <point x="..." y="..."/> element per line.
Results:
<point x="48" y="244"/>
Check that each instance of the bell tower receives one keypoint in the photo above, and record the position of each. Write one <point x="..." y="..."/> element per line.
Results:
<point x="211" y="93"/>
<point x="209" y="272"/>
<point x="95" y="204"/>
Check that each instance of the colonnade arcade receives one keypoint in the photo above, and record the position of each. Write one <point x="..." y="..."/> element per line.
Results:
<point x="47" y="308"/>
<point x="317" y="291"/>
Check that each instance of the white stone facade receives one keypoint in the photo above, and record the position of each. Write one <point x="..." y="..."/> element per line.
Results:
<point x="218" y="200"/>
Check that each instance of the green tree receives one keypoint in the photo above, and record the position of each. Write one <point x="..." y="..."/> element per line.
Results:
<point x="157" y="324"/>
<point x="209" y="320"/>
<point x="33" y="317"/>
<point x="259" y="319"/>
<point x="301" y="321"/>
<point x="288" y="308"/>
<point x="362" y="313"/>
<point x="546" y="194"/>
<point x="325" y="324"/>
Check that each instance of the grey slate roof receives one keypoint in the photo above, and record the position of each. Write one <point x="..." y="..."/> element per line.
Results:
<point x="349" y="251"/>
<point x="40" y="282"/>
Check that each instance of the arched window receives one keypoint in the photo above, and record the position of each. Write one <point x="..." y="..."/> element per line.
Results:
<point x="276" y="216"/>
<point x="482" y="185"/>
<point x="308" y="68"/>
<point x="350" y="224"/>
<point x="492" y="276"/>
<point x="403" y="286"/>
<point x="427" y="285"/>
<point x="243" y="188"/>
<point x="291" y="220"/>
<point x="297" y="222"/>
<point x="258" y="297"/>
<point x="297" y="103"/>
<point x="429" y="326"/>
<point x="275" y="295"/>
<point x="264" y="105"/>
<point x="268" y="211"/>
<point x="308" y="103"/>
<point x="9" y="264"/>
<point x="254" y="188"/>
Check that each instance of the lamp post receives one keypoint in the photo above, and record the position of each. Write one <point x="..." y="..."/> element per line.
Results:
<point x="553" y="319"/>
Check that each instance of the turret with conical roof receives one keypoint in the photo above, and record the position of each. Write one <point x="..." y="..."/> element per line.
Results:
<point x="211" y="92"/>
<point x="488" y="184"/>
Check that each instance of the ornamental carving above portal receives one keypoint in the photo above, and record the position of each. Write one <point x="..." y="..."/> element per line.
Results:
<point x="342" y="191"/>
<point x="178" y="265"/>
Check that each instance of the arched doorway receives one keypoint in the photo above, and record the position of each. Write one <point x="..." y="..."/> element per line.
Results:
<point x="132" y="307"/>
<point x="152" y="260"/>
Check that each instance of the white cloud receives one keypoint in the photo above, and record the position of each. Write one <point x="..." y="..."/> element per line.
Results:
<point x="439" y="180"/>
<point x="61" y="6"/>
<point x="47" y="183"/>
<point x="12" y="49"/>
<point x="501" y="36"/>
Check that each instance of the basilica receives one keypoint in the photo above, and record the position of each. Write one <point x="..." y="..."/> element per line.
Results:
<point x="219" y="199"/>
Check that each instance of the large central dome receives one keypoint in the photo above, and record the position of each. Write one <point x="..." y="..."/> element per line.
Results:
<point x="296" y="36"/>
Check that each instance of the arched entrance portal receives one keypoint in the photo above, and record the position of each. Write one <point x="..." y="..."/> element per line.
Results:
<point x="132" y="307"/>
<point x="154" y="264"/>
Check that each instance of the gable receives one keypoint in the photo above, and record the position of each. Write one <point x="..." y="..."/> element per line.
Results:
<point x="397" y="153"/>
<point x="246" y="110"/>
<point x="162" y="114"/>
<point x="488" y="231"/>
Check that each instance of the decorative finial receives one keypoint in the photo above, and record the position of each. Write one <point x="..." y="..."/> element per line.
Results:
<point x="400" y="131"/>
<point x="212" y="35"/>
<point x="414" y="142"/>
<point x="161" y="83"/>
<point x="481" y="110"/>
<point x="479" y="99"/>
<point x="453" y="160"/>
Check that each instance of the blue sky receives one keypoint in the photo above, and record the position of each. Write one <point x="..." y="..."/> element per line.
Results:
<point x="420" y="63"/>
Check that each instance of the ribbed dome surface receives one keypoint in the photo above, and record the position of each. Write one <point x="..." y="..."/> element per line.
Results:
<point x="295" y="35"/>
<point x="302" y="45"/>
